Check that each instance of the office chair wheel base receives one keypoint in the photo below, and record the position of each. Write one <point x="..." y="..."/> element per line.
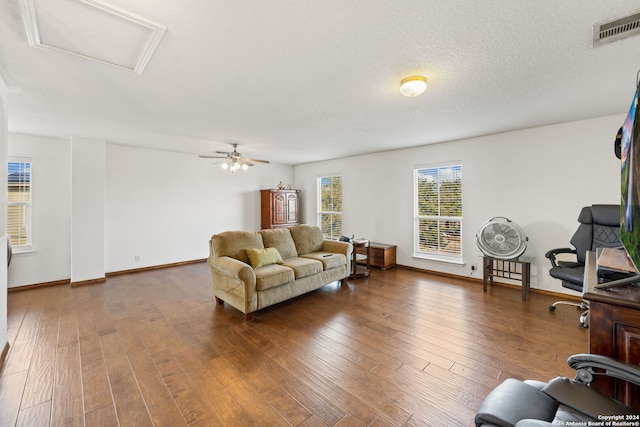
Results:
<point x="552" y="308"/>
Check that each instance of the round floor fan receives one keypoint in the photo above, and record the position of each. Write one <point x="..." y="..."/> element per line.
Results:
<point x="501" y="238"/>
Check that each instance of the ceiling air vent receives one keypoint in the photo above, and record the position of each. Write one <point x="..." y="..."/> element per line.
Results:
<point x="616" y="28"/>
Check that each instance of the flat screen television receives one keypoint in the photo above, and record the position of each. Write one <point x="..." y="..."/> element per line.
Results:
<point x="630" y="190"/>
<point x="630" y="183"/>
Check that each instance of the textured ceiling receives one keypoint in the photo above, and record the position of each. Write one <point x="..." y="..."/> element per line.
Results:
<point x="300" y="81"/>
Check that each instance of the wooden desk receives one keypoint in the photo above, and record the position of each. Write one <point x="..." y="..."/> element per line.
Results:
<point x="614" y="330"/>
<point x="516" y="269"/>
<point x="361" y="254"/>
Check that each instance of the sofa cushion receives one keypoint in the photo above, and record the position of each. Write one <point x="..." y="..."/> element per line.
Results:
<point x="273" y="275"/>
<point x="280" y="238"/>
<point x="327" y="259"/>
<point x="303" y="267"/>
<point x="234" y="244"/>
<point x="308" y="238"/>
<point x="261" y="257"/>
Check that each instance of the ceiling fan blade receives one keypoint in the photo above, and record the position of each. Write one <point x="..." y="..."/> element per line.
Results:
<point x="258" y="160"/>
<point x="212" y="157"/>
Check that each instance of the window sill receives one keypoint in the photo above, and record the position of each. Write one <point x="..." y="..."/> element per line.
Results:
<point x="438" y="259"/>
<point x="22" y="252"/>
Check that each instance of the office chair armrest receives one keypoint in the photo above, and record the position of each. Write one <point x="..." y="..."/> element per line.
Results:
<point x="512" y="401"/>
<point x="551" y="254"/>
<point x="588" y="366"/>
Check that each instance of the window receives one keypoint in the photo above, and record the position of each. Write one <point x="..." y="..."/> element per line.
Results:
<point x="19" y="204"/>
<point x="438" y="213"/>
<point x="330" y="206"/>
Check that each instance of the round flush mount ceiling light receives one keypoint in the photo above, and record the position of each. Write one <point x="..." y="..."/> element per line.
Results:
<point x="413" y="86"/>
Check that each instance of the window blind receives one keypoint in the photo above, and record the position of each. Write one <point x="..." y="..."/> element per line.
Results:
<point x="19" y="204"/>
<point x="330" y="203"/>
<point x="438" y="200"/>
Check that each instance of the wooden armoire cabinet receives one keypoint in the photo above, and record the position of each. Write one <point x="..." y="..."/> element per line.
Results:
<point x="279" y="208"/>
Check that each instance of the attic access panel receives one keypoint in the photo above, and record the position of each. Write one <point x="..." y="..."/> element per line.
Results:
<point x="93" y="30"/>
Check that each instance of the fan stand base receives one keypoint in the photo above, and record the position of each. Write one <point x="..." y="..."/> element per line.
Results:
<point x="508" y="269"/>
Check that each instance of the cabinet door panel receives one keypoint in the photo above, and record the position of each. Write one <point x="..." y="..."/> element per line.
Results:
<point x="292" y="208"/>
<point x="627" y="349"/>
<point x="279" y="209"/>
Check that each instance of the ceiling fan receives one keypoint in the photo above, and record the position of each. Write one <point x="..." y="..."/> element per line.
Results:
<point x="234" y="160"/>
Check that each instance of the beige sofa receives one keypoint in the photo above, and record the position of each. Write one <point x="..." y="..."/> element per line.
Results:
<point x="249" y="276"/>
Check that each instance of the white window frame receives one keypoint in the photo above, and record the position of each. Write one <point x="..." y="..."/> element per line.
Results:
<point x="440" y="252"/>
<point x="27" y="221"/>
<point x="319" y="205"/>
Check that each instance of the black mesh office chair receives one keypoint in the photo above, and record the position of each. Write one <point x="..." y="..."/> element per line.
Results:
<point x="561" y="401"/>
<point x="599" y="228"/>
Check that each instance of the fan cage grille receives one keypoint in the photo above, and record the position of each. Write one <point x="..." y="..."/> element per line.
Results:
<point x="502" y="239"/>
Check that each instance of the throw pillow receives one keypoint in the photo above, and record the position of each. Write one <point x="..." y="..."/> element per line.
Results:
<point x="261" y="257"/>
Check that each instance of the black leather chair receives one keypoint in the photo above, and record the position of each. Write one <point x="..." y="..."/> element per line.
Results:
<point x="561" y="401"/>
<point x="599" y="227"/>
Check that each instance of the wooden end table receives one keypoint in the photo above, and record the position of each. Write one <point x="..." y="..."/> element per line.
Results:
<point x="515" y="269"/>
<point x="361" y="253"/>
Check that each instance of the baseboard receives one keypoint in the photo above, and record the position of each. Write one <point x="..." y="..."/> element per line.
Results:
<point x="154" y="267"/>
<point x="88" y="282"/>
<point x="102" y="279"/>
<point x="39" y="285"/>
<point x="495" y="283"/>
<point x="3" y="357"/>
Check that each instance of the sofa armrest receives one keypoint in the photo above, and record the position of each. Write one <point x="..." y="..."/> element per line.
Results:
<point x="234" y="282"/>
<point x="233" y="268"/>
<point x="338" y="247"/>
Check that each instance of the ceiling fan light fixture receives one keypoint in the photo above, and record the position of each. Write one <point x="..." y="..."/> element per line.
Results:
<point x="413" y="86"/>
<point x="233" y="161"/>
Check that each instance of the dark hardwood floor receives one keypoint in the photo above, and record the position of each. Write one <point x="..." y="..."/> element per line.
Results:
<point x="400" y="348"/>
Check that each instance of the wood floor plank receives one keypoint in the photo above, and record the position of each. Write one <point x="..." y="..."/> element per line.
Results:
<point x="399" y="348"/>
<point x="67" y="393"/>
<point x="68" y="329"/>
<point x="266" y="381"/>
<point x="21" y="350"/>
<point x="10" y="388"/>
<point x="161" y="406"/>
<point x="335" y="377"/>
<point x="40" y="381"/>
<point x="242" y="391"/>
<point x="95" y="382"/>
<point x="38" y="415"/>
<point x="206" y="383"/>
<point x="129" y="404"/>
<point x="115" y="358"/>
<point x="104" y="416"/>
<point x="192" y="406"/>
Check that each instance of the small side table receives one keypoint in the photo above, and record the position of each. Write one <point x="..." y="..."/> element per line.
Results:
<point x="383" y="255"/>
<point x="515" y="269"/>
<point x="360" y="253"/>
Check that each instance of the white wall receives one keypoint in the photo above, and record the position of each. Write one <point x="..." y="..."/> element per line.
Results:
<point x="539" y="178"/>
<point x="51" y="188"/>
<point x="159" y="206"/>
<point x="162" y="207"/>
<point x="87" y="209"/>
